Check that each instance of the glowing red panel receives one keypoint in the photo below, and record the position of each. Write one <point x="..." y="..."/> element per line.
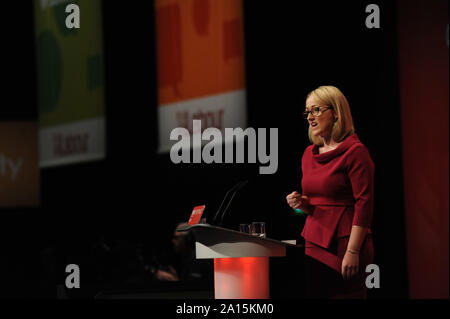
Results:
<point x="241" y="278"/>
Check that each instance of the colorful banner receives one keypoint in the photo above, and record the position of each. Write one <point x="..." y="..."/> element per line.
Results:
<point x="200" y="58"/>
<point x="19" y="171"/>
<point x="70" y="82"/>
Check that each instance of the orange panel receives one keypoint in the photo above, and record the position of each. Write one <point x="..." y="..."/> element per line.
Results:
<point x="19" y="171"/>
<point x="199" y="48"/>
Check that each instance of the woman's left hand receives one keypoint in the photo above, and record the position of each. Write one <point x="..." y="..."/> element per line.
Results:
<point x="350" y="265"/>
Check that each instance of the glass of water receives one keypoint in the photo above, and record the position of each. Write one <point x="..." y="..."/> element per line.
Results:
<point x="259" y="229"/>
<point x="245" y="228"/>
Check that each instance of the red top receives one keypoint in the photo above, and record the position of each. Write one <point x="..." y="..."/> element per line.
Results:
<point x="339" y="184"/>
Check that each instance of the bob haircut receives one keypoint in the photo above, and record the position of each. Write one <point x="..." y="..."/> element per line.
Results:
<point x="343" y="127"/>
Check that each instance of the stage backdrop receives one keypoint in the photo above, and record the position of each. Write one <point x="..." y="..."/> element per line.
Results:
<point x="200" y="58"/>
<point x="70" y="83"/>
<point x="19" y="171"/>
<point x="424" y="82"/>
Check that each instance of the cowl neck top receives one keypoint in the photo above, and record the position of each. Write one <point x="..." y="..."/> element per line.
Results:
<point x="344" y="146"/>
<point x="340" y="186"/>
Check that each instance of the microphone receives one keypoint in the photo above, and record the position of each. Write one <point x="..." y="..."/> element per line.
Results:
<point x="238" y="187"/>
<point x="233" y="189"/>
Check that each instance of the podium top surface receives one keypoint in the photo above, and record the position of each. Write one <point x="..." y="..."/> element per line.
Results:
<point x="207" y="229"/>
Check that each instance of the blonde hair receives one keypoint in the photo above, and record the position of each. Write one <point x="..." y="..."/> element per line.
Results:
<point x="343" y="127"/>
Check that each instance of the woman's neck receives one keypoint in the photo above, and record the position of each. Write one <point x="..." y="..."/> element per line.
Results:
<point x="328" y="142"/>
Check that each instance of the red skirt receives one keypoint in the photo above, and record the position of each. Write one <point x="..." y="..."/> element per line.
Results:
<point x="324" y="273"/>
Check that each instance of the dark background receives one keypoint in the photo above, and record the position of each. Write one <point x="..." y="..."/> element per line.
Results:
<point x="136" y="197"/>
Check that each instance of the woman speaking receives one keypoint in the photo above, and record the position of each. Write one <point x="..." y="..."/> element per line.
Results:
<point x="337" y="196"/>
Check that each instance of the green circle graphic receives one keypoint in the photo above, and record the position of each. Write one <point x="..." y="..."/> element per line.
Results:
<point x="49" y="65"/>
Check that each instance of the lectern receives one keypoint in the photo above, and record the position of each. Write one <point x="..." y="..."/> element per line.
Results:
<point x="241" y="261"/>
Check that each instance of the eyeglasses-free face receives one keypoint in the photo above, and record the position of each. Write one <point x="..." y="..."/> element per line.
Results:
<point x="316" y="111"/>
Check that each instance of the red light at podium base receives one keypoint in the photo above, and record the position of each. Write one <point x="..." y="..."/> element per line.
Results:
<point x="241" y="278"/>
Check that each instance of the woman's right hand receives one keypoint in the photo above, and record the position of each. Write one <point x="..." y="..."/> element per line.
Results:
<point x="295" y="200"/>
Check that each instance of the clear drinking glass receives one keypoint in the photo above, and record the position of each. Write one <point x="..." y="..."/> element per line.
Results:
<point x="245" y="228"/>
<point x="259" y="229"/>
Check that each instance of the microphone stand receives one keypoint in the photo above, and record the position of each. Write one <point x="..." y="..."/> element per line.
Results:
<point x="233" y="189"/>
<point x="238" y="187"/>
